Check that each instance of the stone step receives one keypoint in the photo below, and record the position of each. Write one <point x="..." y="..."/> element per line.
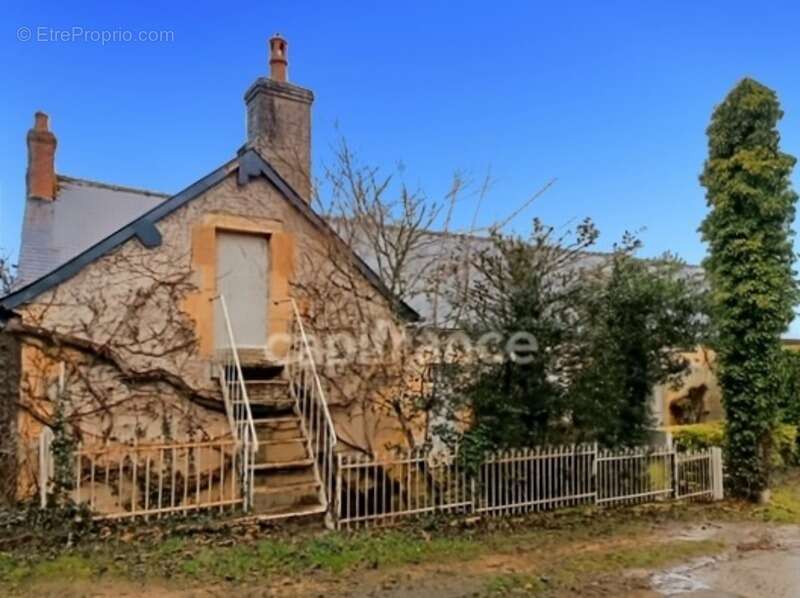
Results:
<point x="278" y="428"/>
<point x="281" y="451"/>
<point x="251" y="359"/>
<point x="276" y="477"/>
<point x="276" y="388"/>
<point x="282" y="465"/>
<point x="289" y="497"/>
<point x="290" y="512"/>
<point x="269" y="397"/>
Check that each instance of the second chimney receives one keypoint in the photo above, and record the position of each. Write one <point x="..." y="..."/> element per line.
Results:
<point x="41" y="175"/>
<point x="279" y="120"/>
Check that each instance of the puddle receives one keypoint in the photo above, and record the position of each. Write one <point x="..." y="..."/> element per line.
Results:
<point x="756" y="569"/>
<point x="681" y="579"/>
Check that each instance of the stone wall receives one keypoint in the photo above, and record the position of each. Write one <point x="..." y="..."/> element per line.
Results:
<point x="9" y="393"/>
<point x="133" y="330"/>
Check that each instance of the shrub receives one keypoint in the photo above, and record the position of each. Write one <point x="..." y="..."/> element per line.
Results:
<point x="694" y="437"/>
<point x="790" y="398"/>
<point x="702" y="436"/>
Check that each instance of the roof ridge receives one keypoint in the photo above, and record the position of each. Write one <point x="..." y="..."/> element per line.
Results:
<point x="110" y="186"/>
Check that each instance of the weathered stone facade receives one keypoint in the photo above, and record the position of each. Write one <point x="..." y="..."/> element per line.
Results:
<point x="9" y="394"/>
<point x="134" y="330"/>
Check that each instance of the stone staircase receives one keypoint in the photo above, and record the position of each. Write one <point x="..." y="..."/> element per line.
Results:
<point x="286" y="477"/>
<point x="285" y="472"/>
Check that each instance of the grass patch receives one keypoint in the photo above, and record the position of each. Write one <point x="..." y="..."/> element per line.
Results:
<point x="177" y="558"/>
<point x="784" y="507"/>
<point x="331" y="553"/>
<point x="564" y="547"/>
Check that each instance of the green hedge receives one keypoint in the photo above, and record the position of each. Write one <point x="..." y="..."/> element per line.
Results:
<point x="702" y="436"/>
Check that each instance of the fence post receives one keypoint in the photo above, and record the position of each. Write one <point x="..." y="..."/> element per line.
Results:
<point x="675" y="473"/>
<point x="473" y="490"/>
<point x="46" y="466"/>
<point x="595" y="482"/>
<point x="716" y="474"/>
<point x="337" y="498"/>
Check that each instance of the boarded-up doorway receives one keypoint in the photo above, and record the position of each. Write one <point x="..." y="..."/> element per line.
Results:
<point x="242" y="277"/>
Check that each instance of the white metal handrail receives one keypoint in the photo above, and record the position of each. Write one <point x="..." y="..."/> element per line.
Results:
<point x="312" y="404"/>
<point x="234" y="364"/>
<point x="237" y="405"/>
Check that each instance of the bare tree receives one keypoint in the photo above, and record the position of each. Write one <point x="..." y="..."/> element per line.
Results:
<point x="407" y="238"/>
<point x="384" y="220"/>
<point x="8" y="272"/>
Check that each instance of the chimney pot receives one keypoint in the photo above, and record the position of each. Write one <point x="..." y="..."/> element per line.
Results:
<point x="41" y="175"/>
<point x="278" y="58"/>
<point x="40" y="121"/>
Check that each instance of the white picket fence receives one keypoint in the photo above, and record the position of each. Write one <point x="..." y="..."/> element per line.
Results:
<point x="381" y="491"/>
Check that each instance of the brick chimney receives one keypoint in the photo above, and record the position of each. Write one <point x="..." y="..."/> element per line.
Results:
<point x="279" y="120"/>
<point x="41" y="176"/>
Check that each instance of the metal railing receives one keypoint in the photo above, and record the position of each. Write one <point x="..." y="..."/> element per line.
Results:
<point x="535" y="479"/>
<point x="312" y="406"/>
<point x="635" y="475"/>
<point x="379" y="491"/>
<point x="237" y="406"/>
<point x="151" y="480"/>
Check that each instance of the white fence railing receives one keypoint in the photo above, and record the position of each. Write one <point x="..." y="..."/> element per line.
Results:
<point x="380" y="491"/>
<point x="150" y="480"/>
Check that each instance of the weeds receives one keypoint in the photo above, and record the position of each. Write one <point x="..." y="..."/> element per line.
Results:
<point x="561" y="548"/>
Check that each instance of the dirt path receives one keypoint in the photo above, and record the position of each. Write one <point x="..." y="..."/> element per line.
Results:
<point x="764" y="562"/>
<point x="744" y="559"/>
<point x="760" y="561"/>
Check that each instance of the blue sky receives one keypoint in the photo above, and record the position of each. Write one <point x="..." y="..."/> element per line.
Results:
<point x="611" y="98"/>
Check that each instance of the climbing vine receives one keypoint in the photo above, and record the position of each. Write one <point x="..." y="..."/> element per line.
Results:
<point x="749" y="267"/>
<point x="63" y="452"/>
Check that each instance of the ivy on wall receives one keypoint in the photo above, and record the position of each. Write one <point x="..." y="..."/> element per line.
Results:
<point x="9" y="389"/>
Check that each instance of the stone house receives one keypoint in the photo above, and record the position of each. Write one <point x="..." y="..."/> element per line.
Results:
<point x="229" y="323"/>
<point x="148" y="319"/>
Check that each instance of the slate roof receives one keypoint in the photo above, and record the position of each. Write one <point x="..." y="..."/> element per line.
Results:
<point x="248" y="164"/>
<point x="84" y="212"/>
<point x="434" y="248"/>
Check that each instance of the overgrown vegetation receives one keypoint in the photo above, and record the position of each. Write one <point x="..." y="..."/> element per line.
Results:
<point x="692" y="437"/>
<point x="637" y="315"/>
<point x="564" y="550"/>
<point x="749" y="268"/>
<point x="790" y="395"/>
<point x="599" y="333"/>
<point x="784" y="507"/>
<point x="519" y="395"/>
<point x="199" y="554"/>
<point x="63" y="452"/>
